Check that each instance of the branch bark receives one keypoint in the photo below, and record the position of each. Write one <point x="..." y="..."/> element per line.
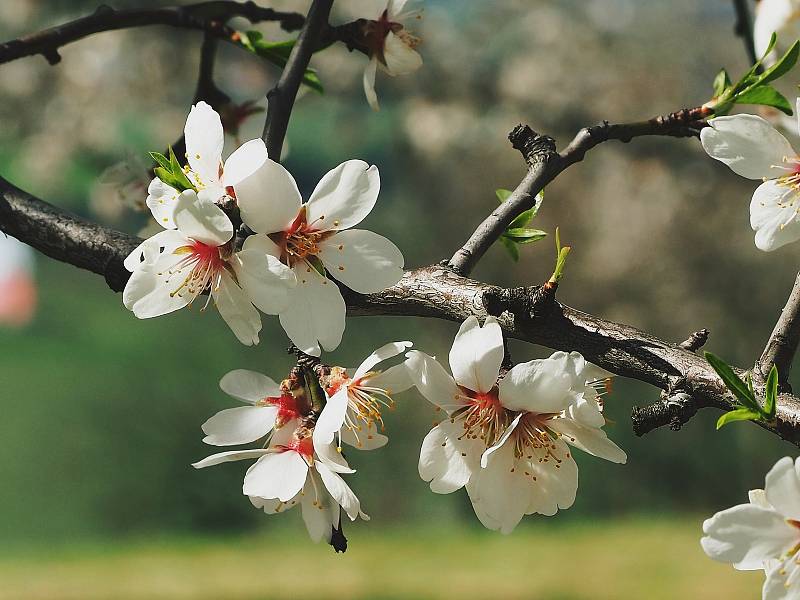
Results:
<point x="205" y="16"/>
<point x="281" y="97"/>
<point x="744" y="28"/>
<point x="782" y="344"/>
<point x="434" y="292"/>
<point x="545" y="164"/>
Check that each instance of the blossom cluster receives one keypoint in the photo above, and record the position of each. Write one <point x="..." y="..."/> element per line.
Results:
<point x="506" y="437"/>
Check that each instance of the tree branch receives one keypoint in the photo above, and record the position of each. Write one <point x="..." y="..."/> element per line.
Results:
<point x="281" y="97"/>
<point x="744" y="28"/>
<point x="206" y="16"/>
<point x="545" y="164"/>
<point x="782" y="344"/>
<point x="528" y="314"/>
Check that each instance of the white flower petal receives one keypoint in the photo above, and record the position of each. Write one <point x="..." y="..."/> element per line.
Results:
<point x="273" y="506"/>
<point x="783" y="488"/>
<point x="539" y="386"/>
<point x="369" y="83"/>
<point x="362" y="260"/>
<point x="433" y="382"/>
<point x="748" y="144"/>
<point x="236" y="309"/>
<point x="332" y="418"/>
<point x="263" y="244"/>
<point x="400" y="58"/>
<point x="249" y="386"/>
<point x="772" y="16"/>
<point x="340" y="491"/>
<point x="268" y="198"/>
<point x="556" y="487"/>
<point x="316" y="312"/>
<point x="231" y="455"/>
<point x="161" y="200"/>
<point x="586" y="411"/>
<point x="385" y="352"/>
<point x="149" y="291"/>
<point x="589" y="439"/>
<point x="500" y="491"/>
<point x="446" y="461"/>
<point x="202" y="220"/>
<point x="244" y="161"/>
<point x="747" y="535"/>
<point x="759" y="498"/>
<point x="487" y="455"/>
<point x="276" y="475"/>
<point x="164" y="242"/>
<point x="332" y="458"/>
<point x="320" y="512"/>
<point x="204" y="141"/>
<point x="265" y="280"/>
<point x="773" y="215"/>
<point x="782" y="581"/>
<point x="368" y="438"/>
<point x="476" y="354"/>
<point x="394" y="8"/>
<point x="344" y="196"/>
<point x="240" y="425"/>
<point x="393" y="380"/>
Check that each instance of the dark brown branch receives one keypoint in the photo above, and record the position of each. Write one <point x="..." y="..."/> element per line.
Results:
<point x="782" y="344"/>
<point x="545" y="164"/>
<point x="744" y="28"/>
<point x="435" y="292"/>
<point x="206" y="16"/>
<point x="281" y="97"/>
<point x="695" y="341"/>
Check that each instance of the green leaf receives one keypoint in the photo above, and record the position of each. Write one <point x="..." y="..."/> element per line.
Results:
<point x="783" y="66"/>
<point x="278" y="54"/>
<point x="765" y="95"/>
<point x="502" y="195"/>
<point x="161" y="160"/>
<point x="511" y="247"/>
<point x="721" y="83"/>
<point x="732" y="382"/>
<point x="740" y="414"/>
<point x="771" y="393"/>
<point x="522" y="235"/>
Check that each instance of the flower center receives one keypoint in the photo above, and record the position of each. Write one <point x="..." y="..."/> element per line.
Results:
<point x="288" y="408"/>
<point x="300" y="242"/>
<point x="791" y="165"/>
<point x="483" y="417"/>
<point x="204" y="263"/>
<point x="534" y="441"/>
<point x="303" y="446"/>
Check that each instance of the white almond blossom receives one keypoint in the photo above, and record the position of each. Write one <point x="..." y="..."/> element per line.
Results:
<point x="505" y="439"/>
<point x="317" y="236"/>
<point x="754" y="149"/>
<point x="172" y="268"/>
<point x="391" y="47"/>
<point x="293" y="470"/>
<point x="781" y="17"/>
<point x="269" y="406"/>
<point x="764" y="533"/>
<point x="212" y="178"/>
<point x="353" y="408"/>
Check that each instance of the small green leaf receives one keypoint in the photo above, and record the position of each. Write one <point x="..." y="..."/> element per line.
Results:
<point x="511" y="247"/>
<point x="732" y="382"/>
<point x="277" y="53"/>
<point x="502" y="195"/>
<point x="522" y="235"/>
<point x="740" y="414"/>
<point x="771" y="393"/>
<point x="160" y="159"/>
<point x="765" y="95"/>
<point x="783" y="66"/>
<point x="721" y="83"/>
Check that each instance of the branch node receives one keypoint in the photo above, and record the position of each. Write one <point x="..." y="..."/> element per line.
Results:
<point x="52" y="56"/>
<point x="525" y="302"/>
<point x="695" y="341"/>
<point x="673" y="409"/>
<point x="535" y="148"/>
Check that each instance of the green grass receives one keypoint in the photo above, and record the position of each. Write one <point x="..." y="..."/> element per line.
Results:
<point x="652" y="559"/>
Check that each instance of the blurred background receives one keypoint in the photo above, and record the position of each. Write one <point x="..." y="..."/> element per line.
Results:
<point x="101" y="413"/>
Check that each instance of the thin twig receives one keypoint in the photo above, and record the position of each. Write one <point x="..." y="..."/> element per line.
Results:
<point x="206" y="16"/>
<point x="744" y="28"/>
<point x="545" y="165"/>
<point x="782" y="344"/>
<point x="281" y="97"/>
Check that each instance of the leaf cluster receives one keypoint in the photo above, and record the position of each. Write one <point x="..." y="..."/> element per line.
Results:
<point x="170" y="171"/>
<point x="518" y="231"/>
<point x="748" y="408"/>
<point x="278" y="54"/>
